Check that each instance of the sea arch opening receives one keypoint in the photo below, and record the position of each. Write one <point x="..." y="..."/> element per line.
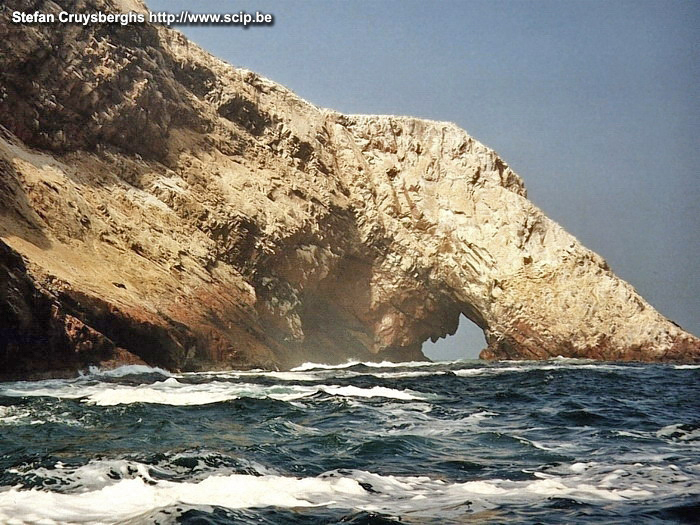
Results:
<point x="466" y="343"/>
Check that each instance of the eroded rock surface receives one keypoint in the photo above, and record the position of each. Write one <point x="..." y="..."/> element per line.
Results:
<point x="166" y="206"/>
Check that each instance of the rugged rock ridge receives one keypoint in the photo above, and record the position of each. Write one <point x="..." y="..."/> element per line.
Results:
<point x="161" y="205"/>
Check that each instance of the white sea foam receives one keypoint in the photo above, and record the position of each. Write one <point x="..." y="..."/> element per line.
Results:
<point x="91" y="494"/>
<point x="98" y="474"/>
<point x="404" y="419"/>
<point x="467" y="372"/>
<point x="679" y="432"/>
<point x="239" y="374"/>
<point x="383" y="364"/>
<point x="320" y="366"/>
<point x="562" y="359"/>
<point x="284" y="376"/>
<point x="11" y="415"/>
<point x="173" y="392"/>
<point x="583" y="366"/>
<point x="528" y="366"/>
<point x="40" y="415"/>
<point x="560" y="363"/>
<point x="127" y="370"/>
<point x="168" y="392"/>
<point x="375" y="391"/>
<point x="131" y="498"/>
<point x="318" y="371"/>
<point x="404" y="375"/>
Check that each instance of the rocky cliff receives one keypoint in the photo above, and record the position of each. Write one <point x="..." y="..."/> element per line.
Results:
<point x="162" y="206"/>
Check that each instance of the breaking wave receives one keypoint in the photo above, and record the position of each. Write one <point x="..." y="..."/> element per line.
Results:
<point x="513" y="442"/>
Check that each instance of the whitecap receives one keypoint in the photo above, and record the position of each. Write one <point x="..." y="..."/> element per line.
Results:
<point x="403" y="375"/>
<point x="375" y="391"/>
<point x="467" y="372"/>
<point x="414" y="419"/>
<point x="408" y="364"/>
<point x="321" y="366"/>
<point x="12" y="415"/>
<point x="174" y="392"/>
<point x="283" y="376"/>
<point x="238" y="374"/>
<point x="371" y="364"/>
<point x="562" y="359"/>
<point x="680" y="432"/>
<point x="477" y="417"/>
<point x="93" y="495"/>
<point x="128" y="370"/>
<point x="167" y="392"/>
<point x="46" y="413"/>
<point x="105" y="502"/>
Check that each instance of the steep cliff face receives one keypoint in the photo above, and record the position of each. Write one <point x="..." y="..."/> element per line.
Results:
<point x="193" y="215"/>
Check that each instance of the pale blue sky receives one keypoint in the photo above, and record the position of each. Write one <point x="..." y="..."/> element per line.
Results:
<point x="594" y="103"/>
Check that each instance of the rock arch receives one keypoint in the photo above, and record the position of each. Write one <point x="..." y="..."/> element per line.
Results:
<point x="437" y="225"/>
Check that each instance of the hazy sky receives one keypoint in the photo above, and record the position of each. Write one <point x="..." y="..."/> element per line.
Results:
<point x="596" y="104"/>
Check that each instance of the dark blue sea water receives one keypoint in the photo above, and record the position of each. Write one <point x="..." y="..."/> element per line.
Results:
<point x="460" y="442"/>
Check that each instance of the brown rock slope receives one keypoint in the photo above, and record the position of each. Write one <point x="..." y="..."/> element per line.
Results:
<point x="161" y="205"/>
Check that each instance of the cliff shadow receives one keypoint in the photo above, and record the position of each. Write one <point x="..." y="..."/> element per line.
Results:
<point x="19" y="217"/>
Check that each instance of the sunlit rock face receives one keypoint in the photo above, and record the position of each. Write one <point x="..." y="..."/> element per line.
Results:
<point x="163" y="206"/>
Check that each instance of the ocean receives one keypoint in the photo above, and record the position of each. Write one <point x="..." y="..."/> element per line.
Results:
<point x="561" y="441"/>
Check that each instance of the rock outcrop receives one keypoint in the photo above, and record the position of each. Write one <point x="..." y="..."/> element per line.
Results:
<point x="161" y="205"/>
